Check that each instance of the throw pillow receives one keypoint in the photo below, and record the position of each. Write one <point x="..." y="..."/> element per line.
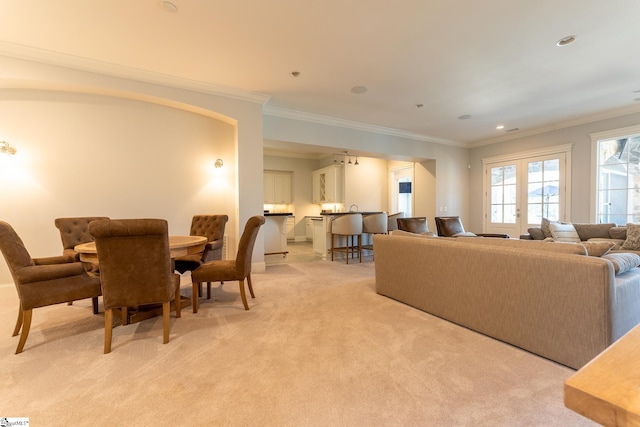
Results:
<point x="544" y="226"/>
<point x="598" y="248"/>
<point x="618" y="232"/>
<point x="633" y="238"/>
<point x="536" y="233"/>
<point x="564" y="232"/>
<point x="623" y="261"/>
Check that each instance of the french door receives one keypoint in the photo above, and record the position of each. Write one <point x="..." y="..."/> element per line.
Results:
<point x="519" y="192"/>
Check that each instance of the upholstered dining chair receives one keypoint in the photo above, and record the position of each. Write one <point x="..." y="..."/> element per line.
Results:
<point x="451" y="226"/>
<point x="392" y="221"/>
<point x="212" y="227"/>
<point x="348" y="226"/>
<point x="237" y="269"/>
<point x="135" y="269"/>
<point x="74" y="231"/>
<point x="43" y="281"/>
<point x="416" y="224"/>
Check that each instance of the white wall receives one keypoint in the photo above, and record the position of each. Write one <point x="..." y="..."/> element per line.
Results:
<point x="87" y="155"/>
<point x="90" y="144"/>
<point x="367" y="185"/>
<point x="581" y="167"/>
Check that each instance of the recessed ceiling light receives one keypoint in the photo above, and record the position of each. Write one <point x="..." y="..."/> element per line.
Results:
<point x="465" y="117"/>
<point x="500" y="127"/>
<point x="358" y="89"/>
<point x="566" y="40"/>
<point x="419" y="105"/>
<point x="167" y="6"/>
<point x="513" y="130"/>
<point x="295" y="73"/>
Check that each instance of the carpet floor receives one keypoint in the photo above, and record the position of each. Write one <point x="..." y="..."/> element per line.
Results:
<point x="318" y="347"/>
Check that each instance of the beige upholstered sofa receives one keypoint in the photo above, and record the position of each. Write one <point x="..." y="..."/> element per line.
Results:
<point x="548" y="298"/>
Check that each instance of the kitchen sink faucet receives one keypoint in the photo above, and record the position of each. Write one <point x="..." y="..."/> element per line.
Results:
<point x="350" y="208"/>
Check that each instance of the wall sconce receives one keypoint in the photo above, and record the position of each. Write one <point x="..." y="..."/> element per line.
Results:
<point x="218" y="164"/>
<point x="7" y="149"/>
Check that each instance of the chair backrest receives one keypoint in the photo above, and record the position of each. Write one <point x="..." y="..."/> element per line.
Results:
<point x="14" y="251"/>
<point x="247" y="242"/>
<point x="347" y="224"/>
<point x="212" y="227"/>
<point x="416" y="224"/>
<point x="392" y="223"/>
<point x="448" y="226"/>
<point x="375" y="223"/>
<point x="135" y="262"/>
<point x="73" y="231"/>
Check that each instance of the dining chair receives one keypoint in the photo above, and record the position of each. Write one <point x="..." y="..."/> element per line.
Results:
<point x="348" y="226"/>
<point x="74" y="231"/>
<point x="43" y="281"/>
<point x="230" y="270"/>
<point x="392" y="223"/>
<point x="212" y="227"/>
<point x="135" y="269"/>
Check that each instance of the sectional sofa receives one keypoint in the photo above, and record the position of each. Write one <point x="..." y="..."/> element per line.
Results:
<point x="548" y="298"/>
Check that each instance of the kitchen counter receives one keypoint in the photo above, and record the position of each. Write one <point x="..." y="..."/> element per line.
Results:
<point x="322" y="232"/>
<point x="275" y="237"/>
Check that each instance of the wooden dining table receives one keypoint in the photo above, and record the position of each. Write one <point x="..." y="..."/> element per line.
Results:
<point x="178" y="246"/>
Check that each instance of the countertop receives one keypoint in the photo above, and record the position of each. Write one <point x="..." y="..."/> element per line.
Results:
<point x="348" y="213"/>
<point x="278" y="214"/>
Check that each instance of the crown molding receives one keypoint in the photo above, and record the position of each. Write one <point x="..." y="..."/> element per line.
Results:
<point x="270" y="110"/>
<point x="560" y="125"/>
<point x="108" y="69"/>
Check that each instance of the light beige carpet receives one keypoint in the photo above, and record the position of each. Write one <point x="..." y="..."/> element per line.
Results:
<point x="318" y="348"/>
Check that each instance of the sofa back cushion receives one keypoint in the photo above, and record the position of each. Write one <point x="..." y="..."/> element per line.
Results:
<point x="589" y="231"/>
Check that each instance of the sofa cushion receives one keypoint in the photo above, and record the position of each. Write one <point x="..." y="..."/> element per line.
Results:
<point x="618" y="233"/>
<point x="536" y="233"/>
<point x="563" y="232"/>
<point x="617" y="243"/>
<point x="632" y="241"/>
<point x="623" y="261"/>
<point x="598" y="248"/>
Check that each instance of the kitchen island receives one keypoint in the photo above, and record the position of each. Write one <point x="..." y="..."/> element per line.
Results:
<point x="322" y="233"/>
<point x="275" y="237"/>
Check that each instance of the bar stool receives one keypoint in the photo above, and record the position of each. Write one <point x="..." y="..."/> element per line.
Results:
<point x="349" y="226"/>
<point x="374" y="224"/>
<point x="392" y="222"/>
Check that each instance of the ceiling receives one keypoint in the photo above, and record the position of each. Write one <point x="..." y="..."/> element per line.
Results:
<point x="493" y="60"/>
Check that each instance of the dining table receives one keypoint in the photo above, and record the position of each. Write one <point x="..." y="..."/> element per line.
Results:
<point x="178" y="246"/>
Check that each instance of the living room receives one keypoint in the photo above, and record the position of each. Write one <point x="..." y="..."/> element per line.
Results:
<point x="93" y="138"/>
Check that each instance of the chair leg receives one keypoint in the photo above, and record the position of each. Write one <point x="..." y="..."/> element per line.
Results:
<point x="250" y="286"/>
<point x="243" y="294"/>
<point x="332" y="247"/>
<point x="360" y="247"/>
<point x="166" y="308"/>
<point x="95" y="305"/>
<point x="194" y="296"/>
<point x="26" y="325"/>
<point x="199" y="289"/>
<point x="124" y="311"/>
<point x="16" y="330"/>
<point x="108" y="328"/>
<point x="209" y="290"/>
<point x="178" y="303"/>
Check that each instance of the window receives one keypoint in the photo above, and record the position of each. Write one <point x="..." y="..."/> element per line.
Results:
<point x="618" y="176"/>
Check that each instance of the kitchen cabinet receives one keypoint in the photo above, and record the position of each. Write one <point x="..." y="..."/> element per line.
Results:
<point x="277" y="187"/>
<point x="291" y="223"/>
<point x="309" y="228"/>
<point x="328" y="184"/>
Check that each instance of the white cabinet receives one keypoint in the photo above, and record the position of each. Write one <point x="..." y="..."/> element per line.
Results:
<point x="291" y="223"/>
<point x="328" y="185"/>
<point x="277" y="187"/>
<point x="309" y="229"/>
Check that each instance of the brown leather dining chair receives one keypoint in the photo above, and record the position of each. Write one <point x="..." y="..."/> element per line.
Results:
<point x="212" y="227"/>
<point x="43" y="281"/>
<point x="230" y="270"/>
<point x="135" y="269"/>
